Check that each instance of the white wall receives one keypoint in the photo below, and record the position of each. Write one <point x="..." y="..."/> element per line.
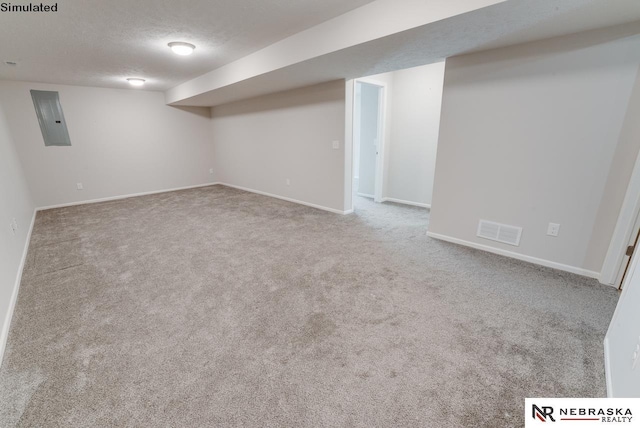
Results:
<point x="530" y="135"/>
<point x="363" y="25"/>
<point x="15" y="202"/>
<point x="619" y="177"/>
<point x="623" y="339"/>
<point x="357" y="111"/>
<point x="261" y="142"/>
<point x="366" y="115"/>
<point x="385" y="79"/>
<point x="415" y="120"/>
<point x="347" y="159"/>
<point x="123" y="142"/>
<point x="412" y="122"/>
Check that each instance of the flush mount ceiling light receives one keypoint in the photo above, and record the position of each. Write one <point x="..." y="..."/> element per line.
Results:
<point x="135" y="81"/>
<point x="182" y="48"/>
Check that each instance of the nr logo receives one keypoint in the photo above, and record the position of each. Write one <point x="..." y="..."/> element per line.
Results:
<point x="542" y="413"/>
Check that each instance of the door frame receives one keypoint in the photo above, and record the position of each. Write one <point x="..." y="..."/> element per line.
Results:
<point x="382" y="112"/>
<point x="625" y="228"/>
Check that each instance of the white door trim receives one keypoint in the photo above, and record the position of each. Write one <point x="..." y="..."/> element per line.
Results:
<point x="350" y="89"/>
<point x="382" y="111"/>
<point x="623" y="230"/>
<point x="614" y="324"/>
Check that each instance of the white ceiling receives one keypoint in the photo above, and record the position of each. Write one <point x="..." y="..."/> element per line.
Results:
<point x="100" y="43"/>
<point x="501" y="24"/>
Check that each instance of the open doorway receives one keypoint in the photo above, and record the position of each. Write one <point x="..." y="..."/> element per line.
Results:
<point x="625" y="239"/>
<point x="631" y="240"/>
<point x="368" y="138"/>
<point x="395" y="121"/>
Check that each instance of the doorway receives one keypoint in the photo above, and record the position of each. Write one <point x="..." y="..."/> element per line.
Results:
<point x="625" y="234"/>
<point x="368" y="138"/>
<point x="392" y="128"/>
<point x="631" y="247"/>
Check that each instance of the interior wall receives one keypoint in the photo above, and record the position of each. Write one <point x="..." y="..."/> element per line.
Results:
<point x="623" y="339"/>
<point x="412" y="122"/>
<point x="385" y="79"/>
<point x="530" y="134"/>
<point x="618" y="178"/>
<point x="357" y="112"/>
<point x="347" y="178"/>
<point x="261" y="142"/>
<point x="366" y="143"/>
<point x="15" y="203"/>
<point x="123" y="142"/>
<point x="415" y="115"/>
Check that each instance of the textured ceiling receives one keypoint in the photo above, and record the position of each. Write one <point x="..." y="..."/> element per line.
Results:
<point x="100" y="43"/>
<point x="503" y="24"/>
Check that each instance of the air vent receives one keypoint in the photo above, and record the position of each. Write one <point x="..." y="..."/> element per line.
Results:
<point x="499" y="232"/>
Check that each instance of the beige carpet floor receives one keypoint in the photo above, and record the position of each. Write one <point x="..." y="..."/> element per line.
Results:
<point x="217" y="307"/>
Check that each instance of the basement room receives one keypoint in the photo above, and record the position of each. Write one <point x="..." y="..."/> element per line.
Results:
<point x="346" y="213"/>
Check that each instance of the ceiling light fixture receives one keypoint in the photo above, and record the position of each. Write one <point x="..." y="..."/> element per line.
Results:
<point x="182" y="48"/>
<point x="135" y="81"/>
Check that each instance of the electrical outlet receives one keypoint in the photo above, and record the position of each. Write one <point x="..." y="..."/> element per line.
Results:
<point x="336" y="144"/>
<point x="553" y="229"/>
<point x="288" y="182"/>
<point x="210" y="170"/>
<point x="79" y="186"/>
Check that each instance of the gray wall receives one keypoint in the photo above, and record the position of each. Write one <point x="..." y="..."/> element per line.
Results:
<point x="540" y="133"/>
<point x="623" y="337"/>
<point x="15" y="202"/>
<point x="368" y="121"/>
<point x="261" y="142"/>
<point x="414" y="121"/>
<point x="123" y="142"/>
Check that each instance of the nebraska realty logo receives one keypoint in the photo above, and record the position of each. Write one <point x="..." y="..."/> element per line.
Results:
<point x="28" y="7"/>
<point x="543" y="414"/>
<point x="582" y="412"/>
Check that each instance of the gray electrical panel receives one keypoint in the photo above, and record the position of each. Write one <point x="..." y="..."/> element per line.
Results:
<point x="51" y="118"/>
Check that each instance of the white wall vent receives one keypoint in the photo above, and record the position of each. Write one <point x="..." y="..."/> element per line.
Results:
<point x="499" y="232"/>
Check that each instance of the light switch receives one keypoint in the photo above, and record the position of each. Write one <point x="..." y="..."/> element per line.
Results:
<point x="336" y="144"/>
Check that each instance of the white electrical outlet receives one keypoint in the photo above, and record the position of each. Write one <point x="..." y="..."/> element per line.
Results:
<point x="210" y="170"/>
<point x="79" y="186"/>
<point x="336" y="144"/>
<point x="553" y="229"/>
<point x="288" y="182"/>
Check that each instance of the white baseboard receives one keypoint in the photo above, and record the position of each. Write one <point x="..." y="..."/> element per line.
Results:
<point x="607" y="368"/>
<point x="402" y="201"/>
<point x="4" y="334"/>
<point x="284" y="198"/>
<point x="511" y="254"/>
<point x="115" y="198"/>
<point x="365" y="195"/>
